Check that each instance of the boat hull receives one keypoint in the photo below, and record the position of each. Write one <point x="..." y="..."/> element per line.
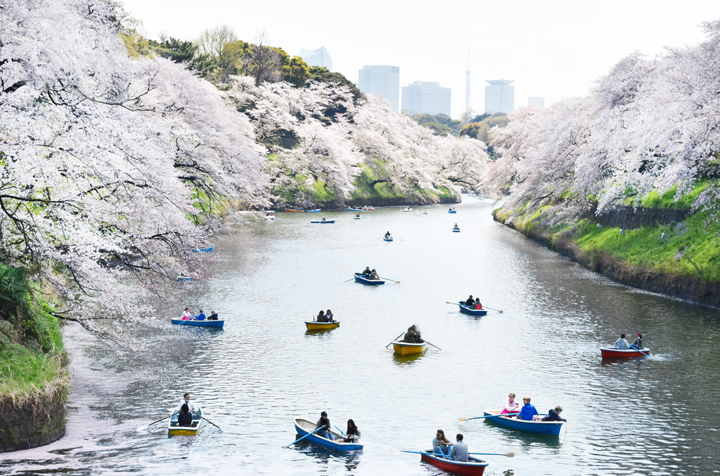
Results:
<point x="408" y="348"/>
<point x="321" y="326"/>
<point x="473" y="467"/>
<point x="454" y="211"/>
<point x="326" y="222"/>
<point x="204" y="250"/>
<point x="317" y="210"/>
<point x="387" y="239"/>
<point x="612" y="353"/>
<point x="174" y="430"/>
<point x="205" y="323"/>
<point x="551" y="428"/>
<point x="370" y="282"/>
<point x="354" y="209"/>
<point x="303" y="427"/>
<point x="456" y="231"/>
<point x="473" y="312"/>
<point x="292" y="210"/>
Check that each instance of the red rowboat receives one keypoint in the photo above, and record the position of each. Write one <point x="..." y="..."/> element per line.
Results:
<point x="615" y="353"/>
<point x="473" y="467"/>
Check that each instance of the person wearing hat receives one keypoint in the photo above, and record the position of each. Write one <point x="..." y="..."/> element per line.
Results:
<point x="554" y="415"/>
<point x="637" y="343"/>
<point x="324" y="423"/>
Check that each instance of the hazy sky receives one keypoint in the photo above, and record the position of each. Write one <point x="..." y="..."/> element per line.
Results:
<point x="552" y="49"/>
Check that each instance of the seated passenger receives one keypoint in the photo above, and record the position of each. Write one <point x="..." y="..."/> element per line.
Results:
<point x="441" y="445"/>
<point x="387" y="235"/>
<point x="185" y="417"/>
<point x="510" y="405"/>
<point x="321" y="317"/>
<point x="186" y="315"/>
<point x="352" y="433"/>
<point x="373" y="275"/>
<point x="201" y="316"/>
<point x="554" y="415"/>
<point x="470" y="301"/>
<point x="621" y="343"/>
<point x="459" y="450"/>
<point x="328" y="316"/>
<point x="478" y="304"/>
<point x="637" y="343"/>
<point x="213" y="316"/>
<point x="412" y="336"/>
<point x="528" y="411"/>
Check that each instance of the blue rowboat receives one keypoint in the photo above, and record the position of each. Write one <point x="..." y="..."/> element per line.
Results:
<point x="551" y="428"/>
<point x="303" y="427"/>
<point x="387" y="239"/>
<point x="323" y="222"/>
<point x="204" y="250"/>
<point x="184" y="278"/>
<point x="364" y="279"/>
<point x="355" y="209"/>
<point x="357" y="218"/>
<point x="452" y="211"/>
<point x="317" y="210"/>
<point x="464" y="308"/>
<point x="204" y="323"/>
<point x="456" y="230"/>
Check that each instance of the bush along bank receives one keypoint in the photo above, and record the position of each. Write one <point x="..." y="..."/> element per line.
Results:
<point x="34" y="382"/>
<point x="658" y="244"/>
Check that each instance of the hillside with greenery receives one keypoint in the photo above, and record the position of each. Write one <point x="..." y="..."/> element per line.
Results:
<point x="626" y="178"/>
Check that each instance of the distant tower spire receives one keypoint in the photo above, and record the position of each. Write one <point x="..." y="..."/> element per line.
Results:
<point x="467" y="85"/>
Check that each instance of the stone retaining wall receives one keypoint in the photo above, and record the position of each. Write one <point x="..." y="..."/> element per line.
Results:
<point x="39" y="421"/>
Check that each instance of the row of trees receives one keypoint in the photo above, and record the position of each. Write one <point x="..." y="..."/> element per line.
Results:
<point x="649" y="125"/>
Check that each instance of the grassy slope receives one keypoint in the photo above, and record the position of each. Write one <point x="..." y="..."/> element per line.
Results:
<point x="692" y="247"/>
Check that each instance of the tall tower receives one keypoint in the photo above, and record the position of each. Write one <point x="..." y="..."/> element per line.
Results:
<point x="467" y="85"/>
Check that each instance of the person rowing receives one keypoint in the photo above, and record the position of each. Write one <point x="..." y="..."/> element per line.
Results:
<point x="387" y="235"/>
<point x="321" y="317"/>
<point x="621" y="343"/>
<point x="511" y="405"/>
<point x="470" y="302"/>
<point x="186" y="315"/>
<point x="324" y="423"/>
<point x="412" y="336"/>
<point x="186" y="401"/>
<point x="367" y="271"/>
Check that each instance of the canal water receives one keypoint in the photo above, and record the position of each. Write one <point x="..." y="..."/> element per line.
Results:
<point x="656" y="415"/>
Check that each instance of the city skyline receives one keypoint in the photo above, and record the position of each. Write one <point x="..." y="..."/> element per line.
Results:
<point x="426" y="97"/>
<point x="555" y="49"/>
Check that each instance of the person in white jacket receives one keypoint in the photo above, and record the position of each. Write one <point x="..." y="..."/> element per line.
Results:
<point x="191" y="405"/>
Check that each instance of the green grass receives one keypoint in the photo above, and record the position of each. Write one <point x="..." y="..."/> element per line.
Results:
<point x="23" y="371"/>
<point x="667" y="200"/>
<point x="322" y="194"/>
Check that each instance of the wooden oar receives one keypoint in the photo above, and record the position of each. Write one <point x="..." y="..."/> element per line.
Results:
<point x="381" y="277"/>
<point x="158" y="421"/>
<point x="438" y="348"/>
<point x="456" y="303"/>
<point x="509" y="455"/>
<point x="394" y="340"/>
<point x="318" y="429"/>
<point x="464" y="419"/>
<point x="213" y="424"/>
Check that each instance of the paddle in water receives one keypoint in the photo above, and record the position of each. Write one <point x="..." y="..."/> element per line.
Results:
<point x="464" y="419"/>
<point x="213" y="424"/>
<point x="438" y="348"/>
<point x="394" y="281"/>
<point x="509" y="455"/>
<point x="157" y="421"/>
<point x="318" y="429"/>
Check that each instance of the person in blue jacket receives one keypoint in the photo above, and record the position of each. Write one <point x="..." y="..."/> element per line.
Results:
<point x="554" y="415"/>
<point x="201" y="316"/>
<point x="528" y="411"/>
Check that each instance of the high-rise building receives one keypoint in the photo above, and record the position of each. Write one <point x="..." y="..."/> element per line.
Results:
<point x="318" y="57"/>
<point x="499" y="96"/>
<point x="422" y="97"/>
<point x="540" y="102"/>
<point x="383" y="81"/>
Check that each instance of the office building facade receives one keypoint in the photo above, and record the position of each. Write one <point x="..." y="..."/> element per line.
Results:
<point x="381" y="80"/>
<point x="422" y="97"/>
<point x="319" y="57"/>
<point x="539" y="102"/>
<point x="499" y="96"/>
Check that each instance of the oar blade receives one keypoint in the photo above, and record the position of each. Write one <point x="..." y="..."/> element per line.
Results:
<point x="509" y="455"/>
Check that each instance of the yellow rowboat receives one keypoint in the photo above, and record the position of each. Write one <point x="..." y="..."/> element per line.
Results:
<point x="321" y="326"/>
<point x="407" y="348"/>
<point x="175" y="429"/>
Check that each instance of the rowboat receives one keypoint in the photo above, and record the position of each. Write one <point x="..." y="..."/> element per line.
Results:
<point x="452" y="211"/>
<point x="362" y="278"/>
<point x="407" y="209"/>
<point x="174" y="429"/>
<point x="425" y="212"/>
<point x="357" y="218"/>
<point x="456" y="230"/>
<point x="464" y="308"/>
<point x="270" y="215"/>
<point x="316" y="210"/>
<point x="407" y="348"/>
<point x="184" y="278"/>
<point x="303" y="427"/>
<point x="294" y="210"/>
<point x="321" y="326"/>
<point x="388" y="239"/>
<point x="542" y="427"/>
<point x="192" y="322"/>
<point x="323" y="222"/>
<point x="368" y="208"/>
<point x="615" y="353"/>
<point x="204" y="250"/>
<point x="355" y="209"/>
<point x="473" y="467"/>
